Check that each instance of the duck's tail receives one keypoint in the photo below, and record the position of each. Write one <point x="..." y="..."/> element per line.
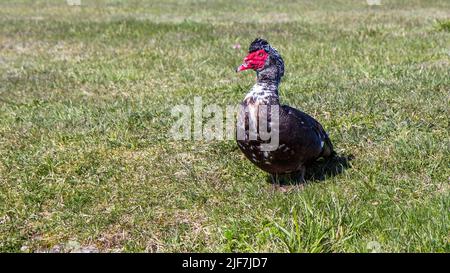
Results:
<point x="327" y="149"/>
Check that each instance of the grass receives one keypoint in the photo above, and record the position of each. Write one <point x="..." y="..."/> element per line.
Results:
<point x="85" y="100"/>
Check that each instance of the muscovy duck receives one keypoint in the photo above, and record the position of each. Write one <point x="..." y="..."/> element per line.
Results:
<point x="301" y="139"/>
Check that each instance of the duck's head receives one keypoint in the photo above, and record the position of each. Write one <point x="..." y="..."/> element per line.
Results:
<point x="265" y="60"/>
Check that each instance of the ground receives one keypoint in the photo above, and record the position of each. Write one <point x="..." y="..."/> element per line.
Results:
<point x="86" y="94"/>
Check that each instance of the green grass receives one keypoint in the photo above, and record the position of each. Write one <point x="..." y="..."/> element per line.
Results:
<point x="85" y="100"/>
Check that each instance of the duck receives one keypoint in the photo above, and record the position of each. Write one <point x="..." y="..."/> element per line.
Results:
<point x="301" y="139"/>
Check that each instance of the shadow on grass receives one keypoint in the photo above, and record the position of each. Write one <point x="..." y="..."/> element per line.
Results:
<point x="317" y="171"/>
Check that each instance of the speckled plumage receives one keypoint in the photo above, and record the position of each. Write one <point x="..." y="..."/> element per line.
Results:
<point x="301" y="138"/>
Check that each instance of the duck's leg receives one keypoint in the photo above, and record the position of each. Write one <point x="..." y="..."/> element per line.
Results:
<point x="273" y="178"/>
<point x="300" y="175"/>
<point x="275" y="181"/>
<point x="302" y="172"/>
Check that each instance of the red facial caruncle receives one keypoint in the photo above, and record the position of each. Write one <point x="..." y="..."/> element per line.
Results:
<point x="255" y="60"/>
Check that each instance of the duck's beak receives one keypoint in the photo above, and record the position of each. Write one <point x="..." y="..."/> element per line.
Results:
<point x="243" y="66"/>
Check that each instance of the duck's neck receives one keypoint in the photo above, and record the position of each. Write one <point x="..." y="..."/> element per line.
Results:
<point x="263" y="92"/>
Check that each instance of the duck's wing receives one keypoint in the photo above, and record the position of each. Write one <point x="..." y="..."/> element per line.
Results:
<point x="306" y="121"/>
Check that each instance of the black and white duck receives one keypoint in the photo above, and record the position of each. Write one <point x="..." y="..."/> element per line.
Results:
<point x="301" y="139"/>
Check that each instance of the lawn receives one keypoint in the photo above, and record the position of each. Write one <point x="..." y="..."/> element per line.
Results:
<point x="86" y="92"/>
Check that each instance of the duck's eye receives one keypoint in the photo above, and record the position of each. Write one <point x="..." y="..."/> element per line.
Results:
<point x="261" y="54"/>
